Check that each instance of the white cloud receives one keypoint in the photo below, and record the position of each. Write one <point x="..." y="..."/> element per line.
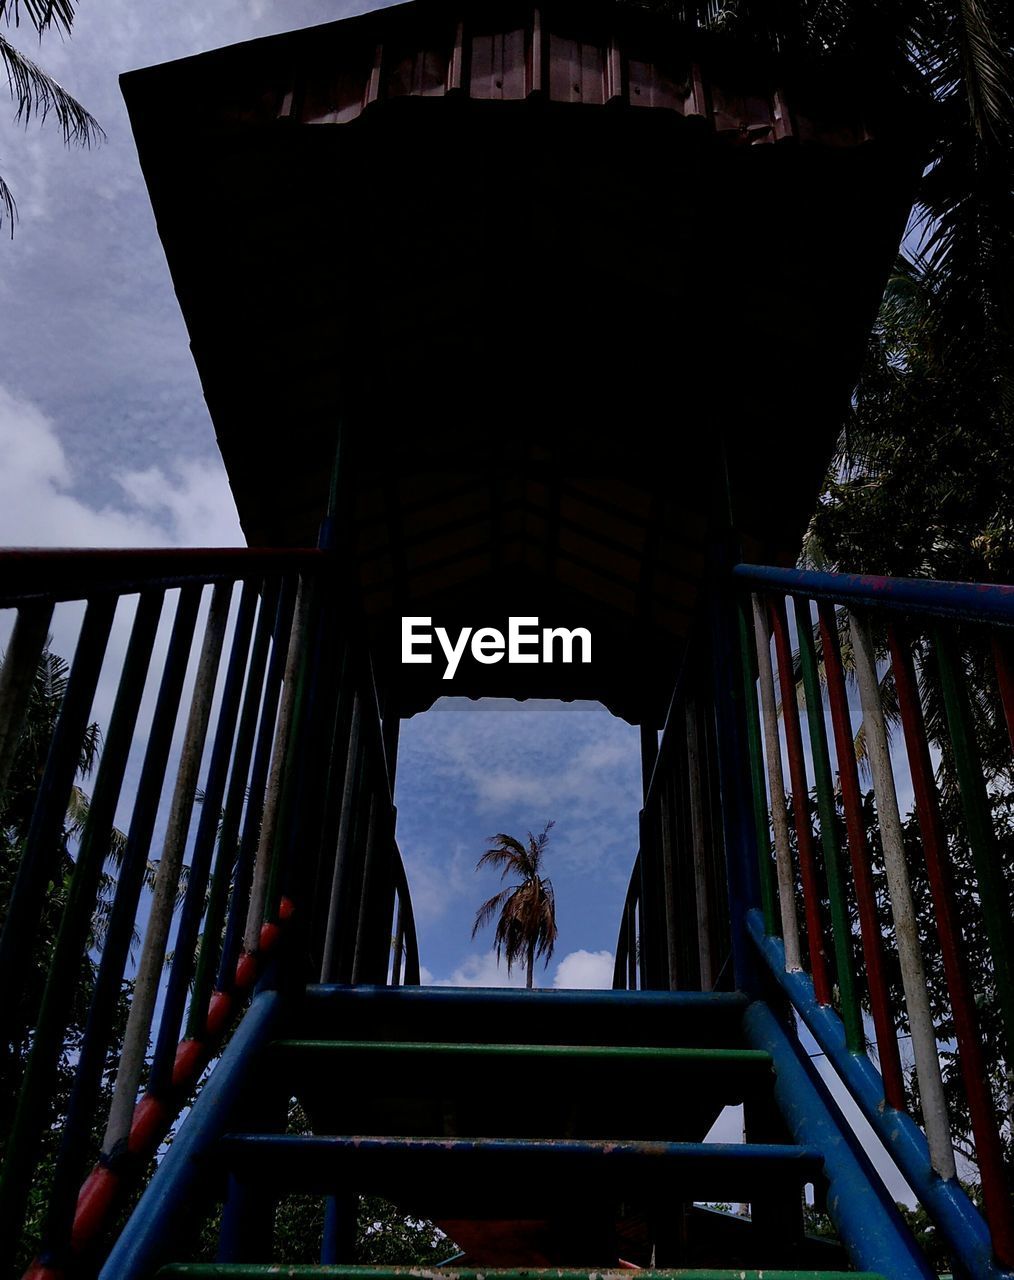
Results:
<point x="438" y="879"/>
<point x="580" y="970"/>
<point x="191" y="506"/>
<point x="573" y="762"/>
<point x="483" y="971"/>
<point x="586" y="970"/>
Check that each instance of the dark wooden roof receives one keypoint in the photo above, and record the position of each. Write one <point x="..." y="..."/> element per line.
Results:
<point x="572" y="283"/>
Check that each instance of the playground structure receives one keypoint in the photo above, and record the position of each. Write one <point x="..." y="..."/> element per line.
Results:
<point x="533" y="310"/>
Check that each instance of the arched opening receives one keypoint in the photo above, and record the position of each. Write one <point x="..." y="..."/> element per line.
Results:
<point x="469" y="769"/>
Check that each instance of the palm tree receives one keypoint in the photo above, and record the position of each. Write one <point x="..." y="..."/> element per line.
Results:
<point x="35" y="94"/>
<point x="954" y="60"/>
<point x="527" y="924"/>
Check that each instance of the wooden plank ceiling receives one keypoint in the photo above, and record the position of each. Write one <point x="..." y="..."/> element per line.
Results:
<point x="575" y="287"/>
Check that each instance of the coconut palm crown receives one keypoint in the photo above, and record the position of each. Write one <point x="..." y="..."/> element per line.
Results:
<point x="35" y="94"/>
<point x="526" y="928"/>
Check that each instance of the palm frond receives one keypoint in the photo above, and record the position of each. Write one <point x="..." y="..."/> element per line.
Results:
<point x="988" y="71"/>
<point x="38" y="96"/>
<point x="42" y="14"/>
<point x="78" y="805"/>
<point x="9" y="205"/>
<point x="506" y="853"/>
<point x="490" y="907"/>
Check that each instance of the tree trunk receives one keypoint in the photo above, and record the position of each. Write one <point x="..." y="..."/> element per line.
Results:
<point x="531" y="963"/>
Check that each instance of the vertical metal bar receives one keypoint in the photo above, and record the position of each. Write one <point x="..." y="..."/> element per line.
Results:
<point x="307" y="816"/>
<point x="620" y="956"/>
<point x="343" y="846"/>
<point x="228" y="833"/>
<point x="340" y="1224"/>
<point x="250" y="838"/>
<point x="974" y="1069"/>
<point x="800" y="806"/>
<point x="247" y="1229"/>
<point x="642" y="981"/>
<point x="300" y="806"/>
<point x="705" y="958"/>
<point x="650" y="897"/>
<point x="632" y="945"/>
<point x="374" y="845"/>
<point x="662" y="896"/>
<point x="841" y="927"/>
<point x="391" y="730"/>
<point x="872" y="939"/>
<point x="76" y="1137"/>
<point x="411" y="976"/>
<point x="17" y="677"/>
<point x="715" y="851"/>
<point x="664" y="804"/>
<point x="204" y="844"/>
<point x="993" y="894"/>
<point x="776" y="788"/>
<point x="149" y="972"/>
<point x="64" y="973"/>
<point x="685" y="889"/>
<point x="347" y="924"/>
<point x="649" y="755"/>
<point x="337" y="749"/>
<point x="761" y="821"/>
<point x="43" y="843"/>
<point x="399" y="944"/>
<point x="738" y="843"/>
<point x="269" y="819"/>
<point x="906" y="931"/>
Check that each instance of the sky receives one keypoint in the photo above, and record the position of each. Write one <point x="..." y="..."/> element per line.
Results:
<point x="105" y="440"/>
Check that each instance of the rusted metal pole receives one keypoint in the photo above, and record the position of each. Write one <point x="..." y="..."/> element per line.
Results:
<point x="776" y="788"/>
<point x="906" y="930"/>
<point x="266" y="844"/>
<point x="149" y="973"/>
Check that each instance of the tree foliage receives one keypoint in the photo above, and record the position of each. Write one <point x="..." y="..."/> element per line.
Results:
<point x="36" y="95"/>
<point x="525" y="911"/>
<point x="16" y="807"/>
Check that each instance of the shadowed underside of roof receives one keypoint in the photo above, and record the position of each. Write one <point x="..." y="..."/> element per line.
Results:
<point x="575" y="288"/>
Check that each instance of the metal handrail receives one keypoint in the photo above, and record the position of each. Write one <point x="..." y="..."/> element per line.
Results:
<point x="973" y="601"/>
<point x="903" y="629"/>
<point x="60" y="574"/>
<point x="266" y="727"/>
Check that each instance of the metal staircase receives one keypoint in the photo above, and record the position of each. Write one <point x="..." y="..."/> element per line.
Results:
<point x="602" y="1161"/>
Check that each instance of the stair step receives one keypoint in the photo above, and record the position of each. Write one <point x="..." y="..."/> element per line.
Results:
<point x="309" y="1271"/>
<point x="494" y="1177"/>
<point x="379" y="1052"/>
<point x="436" y="1089"/>
<point x="704" y="1019"/>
